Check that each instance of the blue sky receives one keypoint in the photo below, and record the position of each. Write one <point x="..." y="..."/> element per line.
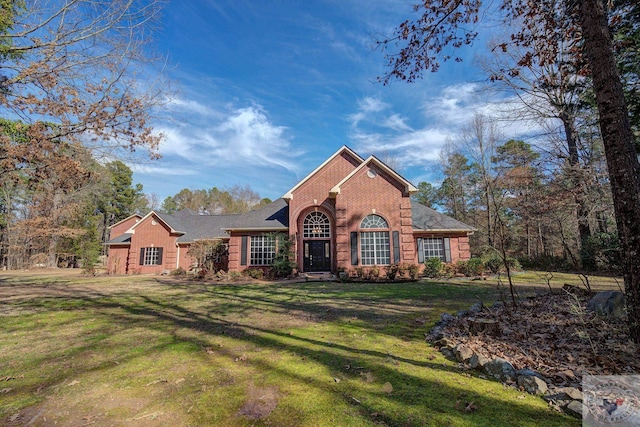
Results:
<point x="267" y="90"/>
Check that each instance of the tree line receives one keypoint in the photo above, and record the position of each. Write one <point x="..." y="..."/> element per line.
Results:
<point x="589" y="41"/>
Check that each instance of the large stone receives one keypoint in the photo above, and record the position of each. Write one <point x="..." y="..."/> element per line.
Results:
<point x="574" y="408"/>
<point x="500" y="369"/>
<point x="532" y="384"/>
<point x="609" y="303"/>
<point x="448" y="353"/>
<point x="571" y="392"/>
<point x="478" y="361"/>
<point x="436" y="333"/>
<point x="462" y="353"/>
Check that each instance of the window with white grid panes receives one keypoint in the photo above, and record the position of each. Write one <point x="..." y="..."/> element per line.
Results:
<point x="316" y="224"/>
<point x="151" y="256"/>
<point x="263" y="250"/>
<point x="374" y="245"/>
<point x="433" y="247"/>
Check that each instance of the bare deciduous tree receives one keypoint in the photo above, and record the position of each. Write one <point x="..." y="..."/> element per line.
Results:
<point x="84" y="67"/>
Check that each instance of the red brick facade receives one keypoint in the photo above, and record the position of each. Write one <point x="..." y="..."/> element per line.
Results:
<point x="340" y="193"/>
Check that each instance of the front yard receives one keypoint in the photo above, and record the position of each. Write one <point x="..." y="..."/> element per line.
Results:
<point x="149" y="351"/>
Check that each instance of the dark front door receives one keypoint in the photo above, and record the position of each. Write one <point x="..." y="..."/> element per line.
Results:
<point x="317" y="255"/>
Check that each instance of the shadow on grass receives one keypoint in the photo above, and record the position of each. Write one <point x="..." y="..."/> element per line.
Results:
<point x="203" y="310"/>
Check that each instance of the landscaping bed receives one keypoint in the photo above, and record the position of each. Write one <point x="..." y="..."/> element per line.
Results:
<point x="551" y="336"/>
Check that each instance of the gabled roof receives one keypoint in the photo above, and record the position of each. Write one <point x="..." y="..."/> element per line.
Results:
<point x="126" y="219"/>
<point x="272" y="217"/>
<point x="123" y="239"/>
<point x="289" y="194"/>
<point x="380" y="164"/>
<point x="162" y="217"/>
<point x="427" y="219"/>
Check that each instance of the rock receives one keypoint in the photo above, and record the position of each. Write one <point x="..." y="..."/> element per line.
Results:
<point x="609" y="303"/>
<point x="570" y="392"/>
<point x="478" y="361"/>
<point x="574" y="408"/>
<point x="532" y="384"/>
<point x="462" y="313"/>
<point x="476" y="308"/>
<point x="448" y="353"/>
<point x="446" y="318"/>
<point x="436" y="333"/>
<point x="462" y="353"/>
<point x="529" y="372"/>
<point x="445" y="342"/>
<point x="500" y="369"/>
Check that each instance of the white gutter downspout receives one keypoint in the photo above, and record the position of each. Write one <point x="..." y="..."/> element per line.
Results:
<point x="178" y="257"/>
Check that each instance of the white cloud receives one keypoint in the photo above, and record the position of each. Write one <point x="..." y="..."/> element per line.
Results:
<point x="190" y="106"/>
<point x="376" y="128"/>
<point x="161" y="170"/>
<point x="240" y="137"/>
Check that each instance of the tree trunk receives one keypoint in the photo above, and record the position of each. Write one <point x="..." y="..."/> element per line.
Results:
<point x="582" y="212"/>
<point x="622" y="163"/>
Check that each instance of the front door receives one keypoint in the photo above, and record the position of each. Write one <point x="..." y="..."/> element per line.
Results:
<point x="317" y="255"/>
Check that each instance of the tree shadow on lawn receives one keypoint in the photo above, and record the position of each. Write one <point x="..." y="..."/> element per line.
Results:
<point x="411" y="393"/>
<point x="350" y="362"/>
<point x="394" y="308"/>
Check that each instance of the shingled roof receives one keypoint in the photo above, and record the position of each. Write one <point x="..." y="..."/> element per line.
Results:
<point x="427" y="219"/>
<point x="272" y="217"/>
<point x="197" y="227"/>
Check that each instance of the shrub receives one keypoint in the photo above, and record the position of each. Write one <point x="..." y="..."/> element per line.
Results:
<point x="281" y="267"/>
<point x="493" y="263"/>
<point x="433" y="267"/>
<point x="601" y="251"/>
<point x="448" y="270"/>
<point x="202" y="273"/>
<point x="472" y="267"/>
<point x="374" y="272"/>
<point x="178" y="272"/>
<point x="254" y="273"/>
<point x="514" y="264"/>
<point x="359" y="272"/>
<point x="414" y="271"/>
<point x="392" y="271"/>
<point x="235" y="275"/>
<point x="545" y="263"/>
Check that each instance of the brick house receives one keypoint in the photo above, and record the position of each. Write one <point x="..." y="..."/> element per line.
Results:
<point x="349" y="212"/>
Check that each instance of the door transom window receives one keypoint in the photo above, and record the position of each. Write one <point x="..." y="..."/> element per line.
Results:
<point x="316" y="224"/>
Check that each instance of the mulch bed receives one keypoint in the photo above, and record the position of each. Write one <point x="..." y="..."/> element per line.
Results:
<point x="554" y="335"/>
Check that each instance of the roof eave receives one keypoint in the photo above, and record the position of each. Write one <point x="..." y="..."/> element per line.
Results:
<point x="256" y="229"/>
<point x="444" y="230"/>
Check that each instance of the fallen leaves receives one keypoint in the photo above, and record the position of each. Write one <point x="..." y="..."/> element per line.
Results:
<point x="554" y="335"/>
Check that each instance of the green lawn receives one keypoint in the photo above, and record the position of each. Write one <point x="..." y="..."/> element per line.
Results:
<point x="155" y="351"/>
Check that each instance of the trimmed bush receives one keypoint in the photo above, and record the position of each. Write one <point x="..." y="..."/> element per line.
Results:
<point x="433" y="267"/>
<point x="472" y="267"/>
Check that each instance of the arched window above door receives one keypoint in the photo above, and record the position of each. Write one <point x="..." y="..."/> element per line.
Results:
<point x="316" y="224"/>
<point x="373" y="221"/>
